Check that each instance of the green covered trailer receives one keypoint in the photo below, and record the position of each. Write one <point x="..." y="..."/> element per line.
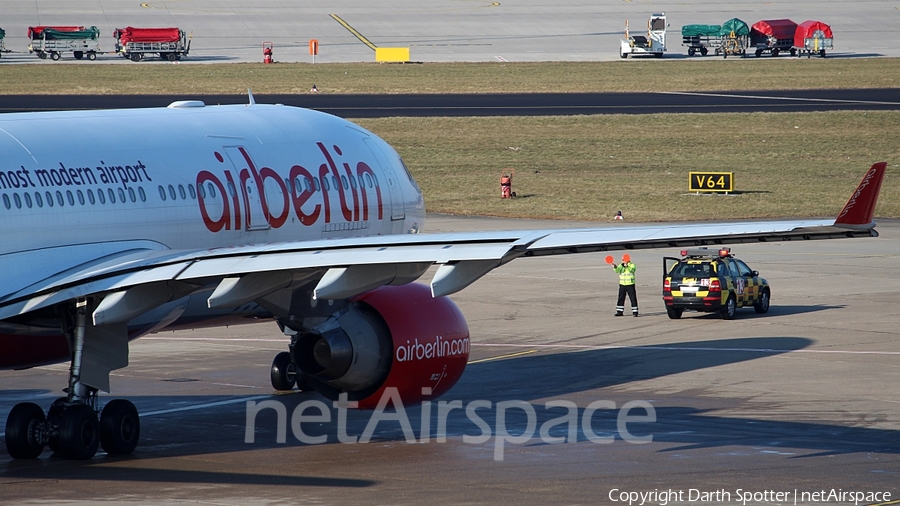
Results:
<point x="52" y="41"/>
<point x="700" y="38"/>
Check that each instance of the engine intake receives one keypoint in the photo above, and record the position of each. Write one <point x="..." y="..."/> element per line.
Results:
<point x="393" y="336"/>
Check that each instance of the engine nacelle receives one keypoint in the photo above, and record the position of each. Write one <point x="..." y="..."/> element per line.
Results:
<point x="393" y="336"/>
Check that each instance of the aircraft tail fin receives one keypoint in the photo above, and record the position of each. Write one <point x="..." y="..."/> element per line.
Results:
<point x="860" y="209"/>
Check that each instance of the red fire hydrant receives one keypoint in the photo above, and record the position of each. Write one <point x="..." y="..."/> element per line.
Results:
<point x="506" y="176"/>
<point x="267" y="52"/>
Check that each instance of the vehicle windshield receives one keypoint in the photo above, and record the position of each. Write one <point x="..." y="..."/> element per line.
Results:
<point x="686" y="270"/>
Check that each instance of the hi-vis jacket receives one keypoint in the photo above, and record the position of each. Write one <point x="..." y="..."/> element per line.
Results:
<point x="626" y="273"/>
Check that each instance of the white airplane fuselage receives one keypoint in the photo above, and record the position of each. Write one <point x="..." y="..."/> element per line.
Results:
<point x="77" y="185"/>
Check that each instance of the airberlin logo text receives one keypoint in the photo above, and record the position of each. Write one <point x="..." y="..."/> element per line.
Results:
<point x="439" y="348"/>
<point x="260" y="196"/>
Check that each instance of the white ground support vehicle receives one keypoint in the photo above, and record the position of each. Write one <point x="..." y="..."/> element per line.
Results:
<point x="52" y="41"/>
<point x="653" y="43"/>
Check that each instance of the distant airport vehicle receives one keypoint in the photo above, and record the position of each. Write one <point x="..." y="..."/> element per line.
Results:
<point x="138" y="43"/>
<point x="712" y="280"/>
<point x="730" y="37"/>
<point x="197" y="216"/>
<point x="813" y="37"/>
<point x="654" y="43"/>
<point x="53" y="41"/>
<point x="773" y="36"/>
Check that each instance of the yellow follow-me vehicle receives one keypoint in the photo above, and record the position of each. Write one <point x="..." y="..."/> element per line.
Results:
<point x="710" y="280"/>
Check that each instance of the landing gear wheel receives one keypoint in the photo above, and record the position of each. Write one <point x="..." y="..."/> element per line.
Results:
<point x="762" y="305"/>
<point x="53" y="416"/>
<point x="23" y="439"/>
<point x="284" y="372"/>
<point x="727" y="311"/>
<point x="54" y="56"/>
<point x="674" y="313"/>
<point x="79" y="432"/>
<point x="120" y="427"/>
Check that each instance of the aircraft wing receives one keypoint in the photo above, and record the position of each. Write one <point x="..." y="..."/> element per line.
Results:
<point x="139" y="279"/>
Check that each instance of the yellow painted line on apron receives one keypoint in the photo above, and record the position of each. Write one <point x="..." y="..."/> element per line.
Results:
<point x="501" y="357"/>
<point x="353" y="31"/>
<point x="890" y="502"/>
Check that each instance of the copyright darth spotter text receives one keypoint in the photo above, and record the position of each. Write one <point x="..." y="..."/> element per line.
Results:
<point x="746" y="497"/>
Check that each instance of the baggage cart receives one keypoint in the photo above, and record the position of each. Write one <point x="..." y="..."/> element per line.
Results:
<point x="735" y="38"/>
<point x="169" y="44"/>
<point x="701" y="38"/>
<point x="813" y="37"/>
<point x="53" y="41"/>
<point x="773" y="36"/>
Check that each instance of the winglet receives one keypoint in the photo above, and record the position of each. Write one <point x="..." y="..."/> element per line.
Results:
<point x="861" y="207"/>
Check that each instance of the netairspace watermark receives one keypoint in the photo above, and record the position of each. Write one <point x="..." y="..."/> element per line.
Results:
<point x="318" y="412"/>
<point x="743" y="497"/>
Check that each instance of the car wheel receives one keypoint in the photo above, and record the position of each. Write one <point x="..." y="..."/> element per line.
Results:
<point x="727" y="311"/>
<point x="762" y="305"/>
<point x="674" y="313"/>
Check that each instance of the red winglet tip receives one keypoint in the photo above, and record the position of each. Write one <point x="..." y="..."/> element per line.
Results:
<point x="860" y="209"/>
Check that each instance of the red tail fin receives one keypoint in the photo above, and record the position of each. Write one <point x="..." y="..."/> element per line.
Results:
<point x="861" y="206"/>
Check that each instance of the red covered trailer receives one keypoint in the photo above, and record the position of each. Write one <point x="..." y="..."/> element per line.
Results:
<point x="135" y="43"/>
<point x="813" y="37"/>
<point x="773" y="36"/>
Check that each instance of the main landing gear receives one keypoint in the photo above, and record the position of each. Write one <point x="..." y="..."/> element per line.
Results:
<point x="71" y="426"/>
<point x="285" y="373"/>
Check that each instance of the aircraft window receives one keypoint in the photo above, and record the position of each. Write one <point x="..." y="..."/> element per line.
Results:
<point x="49" y="199"/>
<point x="100" y="196"/>
<point x="368" y="180"/>
<point x="112" y="195"/>
<point x="18" y="200"/>
<point x="39" y="199"/>
<point x="334" y="183"/>
<point x="6" y="201"/>
<point x="70" y="197"/>
<point x="352" y="182"/>
<point x="344" y="182"/>
<point x="80" y="196"/>
<point x="182" y="192"/>
<point x="59" y="198"/>
<point x="28" y="199"/>
<point x="306" y="186"/>
<point x="212" y="190"/>
<point x="201" y="191"/>
<point x="231" y="190"/>
<point x="172" y="192"/>
<point x="325" y="183"/>
<point x="91" y="196"/>
<point x="144" y="195"/>
<point x="316" y="182"/>
<point x="192" y="192"/>
<point x="131" y="194"/>
<point x="162" y="192"/>
<point x="122" y="195"/>
<point x="287" y="183"/>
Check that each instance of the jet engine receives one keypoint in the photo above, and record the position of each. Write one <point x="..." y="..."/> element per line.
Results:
<point x="393" y="336"/>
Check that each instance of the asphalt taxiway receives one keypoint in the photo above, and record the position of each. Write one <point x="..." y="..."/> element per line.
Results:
<point x="800" y="400"/>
